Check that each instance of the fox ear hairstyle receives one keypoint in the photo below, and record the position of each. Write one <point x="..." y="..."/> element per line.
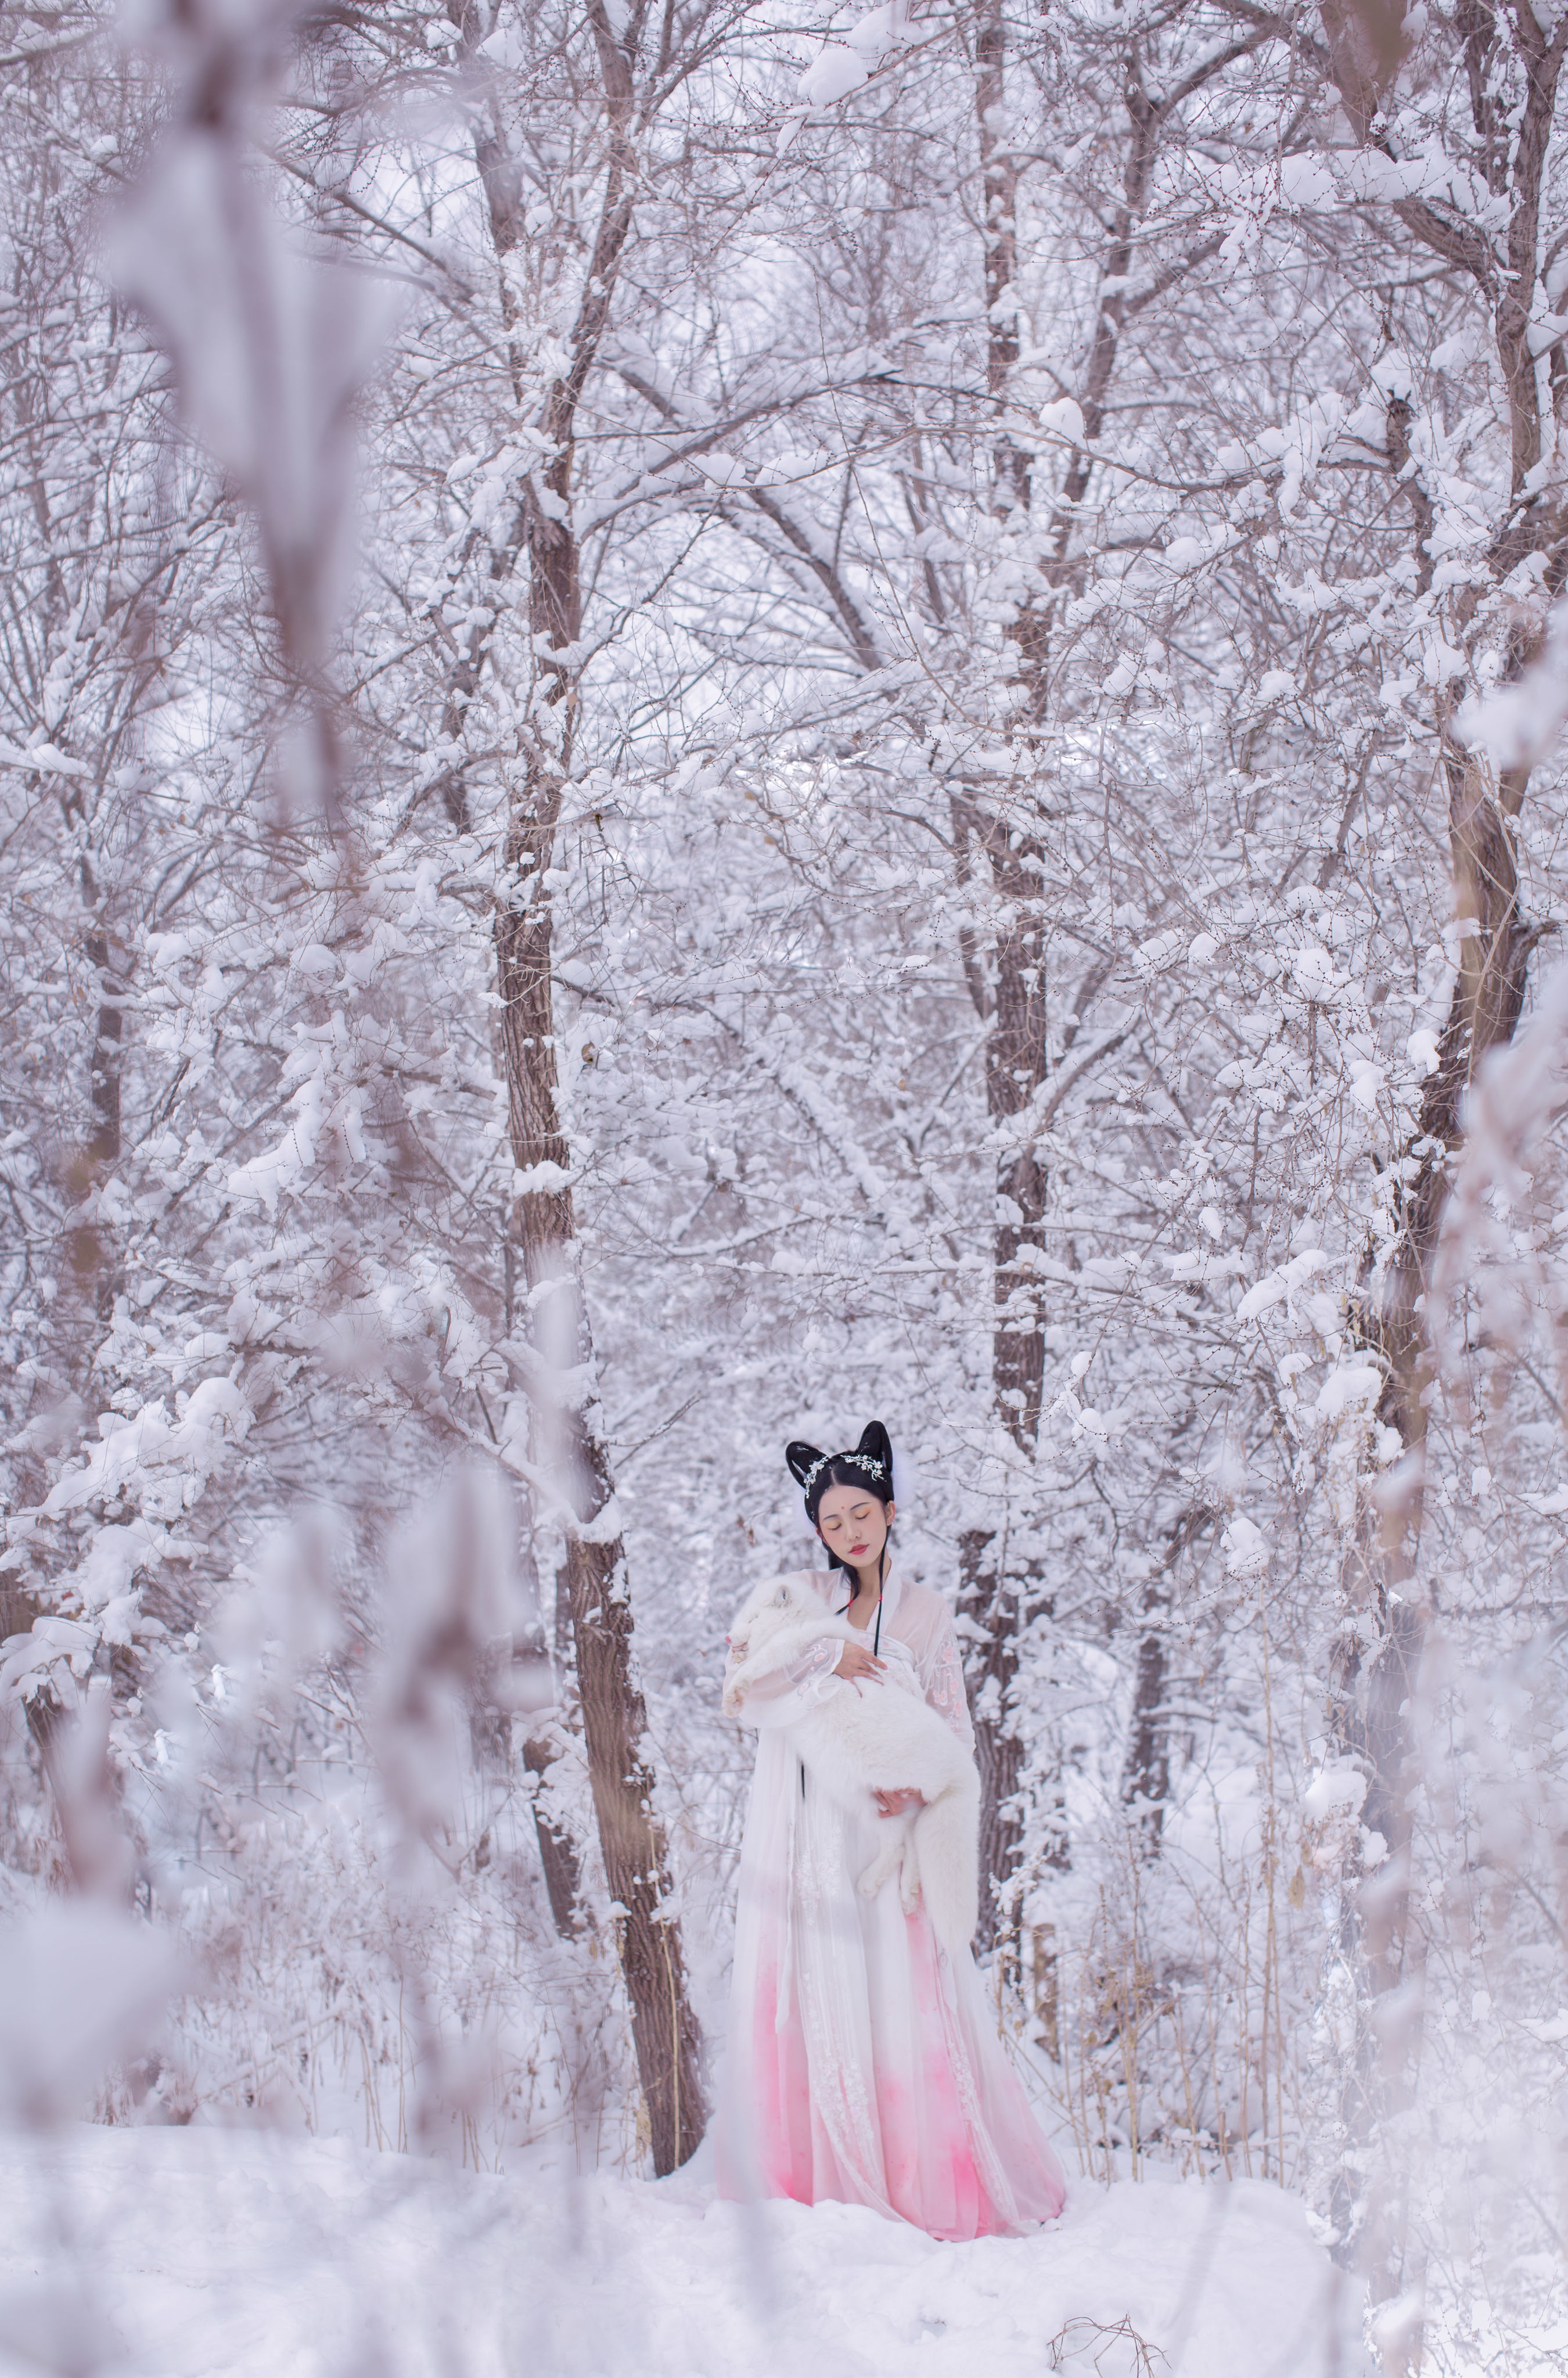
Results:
<point x="875" y="1440"/>
<point x="801" y="1459"/>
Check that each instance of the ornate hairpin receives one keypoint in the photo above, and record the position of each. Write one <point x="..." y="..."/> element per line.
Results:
<point x="862" y="1462"/>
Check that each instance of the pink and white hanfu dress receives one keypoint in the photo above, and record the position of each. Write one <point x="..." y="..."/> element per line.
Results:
<point x="864" y="2064"/>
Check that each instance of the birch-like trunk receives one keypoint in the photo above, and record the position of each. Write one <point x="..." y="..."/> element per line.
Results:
<point x="1014" y="1003"/>
<point x="990" y="1586"/>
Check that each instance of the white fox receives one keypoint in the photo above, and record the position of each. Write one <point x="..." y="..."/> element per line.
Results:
<point x="879" y="1737"/>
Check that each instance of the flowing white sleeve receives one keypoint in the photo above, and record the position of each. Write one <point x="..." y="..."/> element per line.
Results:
<point x="941" y="1672"/>
<point x="779" y="1695"/>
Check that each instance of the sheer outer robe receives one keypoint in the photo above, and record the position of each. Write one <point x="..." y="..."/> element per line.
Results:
<point x="863" y="2063"/>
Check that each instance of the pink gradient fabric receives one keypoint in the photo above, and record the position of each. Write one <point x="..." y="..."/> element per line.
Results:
<point x="863" y="2062"/>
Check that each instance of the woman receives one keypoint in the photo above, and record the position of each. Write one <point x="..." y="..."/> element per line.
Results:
<point x="864" y="2064"/>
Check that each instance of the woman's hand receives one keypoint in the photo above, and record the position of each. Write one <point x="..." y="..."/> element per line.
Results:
<point x="855" y="1662"/>
<point x="893" y="1804"/>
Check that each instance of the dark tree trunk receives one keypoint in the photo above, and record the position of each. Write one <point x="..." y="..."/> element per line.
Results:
<point x="492" y="1736"/>
<point x="96" y="1275"/>
<point x="993" y="1588"/>
<point x="97" y="1856"/>
<point x="1145" y="1784"/>
<point x="571" y="1428"/>
<point x="568" y="1421"/>
<point x="1016" y="1058"/>
<point x="572" y="1444"/>
<point x="104" y="1144"/>
<point x="557" y="1851"/>
<point x="1145" y="1775"/>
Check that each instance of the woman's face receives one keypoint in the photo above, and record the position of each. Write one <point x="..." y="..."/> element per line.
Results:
<point x="854" y="1523"/>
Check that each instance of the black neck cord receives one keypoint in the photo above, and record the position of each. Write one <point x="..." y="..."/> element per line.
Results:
<point x="881" y="1581"/>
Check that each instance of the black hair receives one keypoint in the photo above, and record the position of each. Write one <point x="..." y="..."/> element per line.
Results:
<point x="868" y="1465"/>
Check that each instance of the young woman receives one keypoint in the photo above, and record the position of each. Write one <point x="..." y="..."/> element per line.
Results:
<point x="863" y="2063"/>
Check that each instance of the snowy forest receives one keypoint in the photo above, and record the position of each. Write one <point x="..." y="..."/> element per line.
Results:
<point x="717" y="718"/>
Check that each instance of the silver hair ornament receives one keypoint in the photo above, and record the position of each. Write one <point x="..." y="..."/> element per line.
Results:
<point x="861" y="1460"/>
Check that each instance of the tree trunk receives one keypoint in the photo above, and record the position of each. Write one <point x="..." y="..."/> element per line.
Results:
<point x="560" y="1853"/>
<point x="568" y="1418"/>
<point x="1016" y="1061"/>
<point x="991" y="1588"/>
<point x="989" y="1597"/>
<point x="557" y="1851"/>
<point x="98" y="1275"/>
<point x="572" y="1439"/>
<point x="1382" y="1625"/>
<point x="1373" y="1689"/>
<point x="1145" y="1775"/>
<point x="492" y="1737"/>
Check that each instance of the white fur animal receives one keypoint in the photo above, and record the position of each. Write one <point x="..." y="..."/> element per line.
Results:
<point x="877" y="1736"/>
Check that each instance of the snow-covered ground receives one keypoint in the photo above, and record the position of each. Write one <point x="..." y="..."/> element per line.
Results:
<point x="176" y="2253"/>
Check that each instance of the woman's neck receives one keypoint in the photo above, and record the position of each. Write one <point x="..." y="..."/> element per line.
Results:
<point x="866" y="1594"/>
